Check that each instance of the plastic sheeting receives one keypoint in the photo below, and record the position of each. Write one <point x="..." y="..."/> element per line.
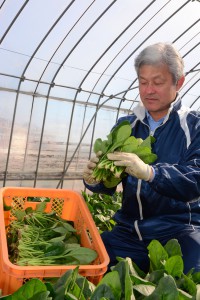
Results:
<point x="67" y="74"/>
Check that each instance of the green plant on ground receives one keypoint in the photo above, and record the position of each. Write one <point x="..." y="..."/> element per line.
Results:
<point x="102" y="208"/>
<point x="164" y="281"/>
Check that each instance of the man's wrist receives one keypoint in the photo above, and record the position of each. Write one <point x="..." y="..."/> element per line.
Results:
<point x="152" y="174"/>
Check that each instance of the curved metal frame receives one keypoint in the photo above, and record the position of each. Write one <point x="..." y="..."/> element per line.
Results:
<point x="121" y="96"/>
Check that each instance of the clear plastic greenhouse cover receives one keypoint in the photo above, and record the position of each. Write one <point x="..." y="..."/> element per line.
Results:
<point x="67" y="75"/>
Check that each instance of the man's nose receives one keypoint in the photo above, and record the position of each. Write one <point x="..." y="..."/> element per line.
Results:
<point x="150" y="89"/>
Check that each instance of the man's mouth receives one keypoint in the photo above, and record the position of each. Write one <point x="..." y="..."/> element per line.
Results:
<point x="150" y="99"/>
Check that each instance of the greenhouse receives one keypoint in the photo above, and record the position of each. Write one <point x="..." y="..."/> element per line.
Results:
<point x="67" y="74"/>
<point x="100" y="149"/>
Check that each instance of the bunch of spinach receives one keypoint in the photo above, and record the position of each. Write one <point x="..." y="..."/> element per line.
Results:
<point x="165" y="280"/>
<point x="119" y="139"/>
<point x="102" y="208"/>
<point x="38" y="238"/>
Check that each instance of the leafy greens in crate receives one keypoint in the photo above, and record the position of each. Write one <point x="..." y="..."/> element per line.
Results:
<point x="38" y="238"/>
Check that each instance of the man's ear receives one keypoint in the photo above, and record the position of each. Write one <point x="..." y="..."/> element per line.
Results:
<point x="180" y="83"/>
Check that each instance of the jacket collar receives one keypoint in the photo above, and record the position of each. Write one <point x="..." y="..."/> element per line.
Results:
<point x="140" y="110"/>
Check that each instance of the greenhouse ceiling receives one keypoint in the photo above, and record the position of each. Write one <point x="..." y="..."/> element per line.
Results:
<point x="67" y="74"/>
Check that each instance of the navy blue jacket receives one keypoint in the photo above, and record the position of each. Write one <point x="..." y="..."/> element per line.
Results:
<point x="172" y="199"/>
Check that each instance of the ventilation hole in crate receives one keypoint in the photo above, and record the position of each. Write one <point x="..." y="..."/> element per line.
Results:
<point x="17" y="204"/>
<point x="52" y="280"/>
<point x="57" y="205"/>
<point x="25" y="280"/>
<point x="89" y="236"/>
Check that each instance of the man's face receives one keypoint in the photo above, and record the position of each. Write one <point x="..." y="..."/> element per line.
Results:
<point x="157" y="89"/>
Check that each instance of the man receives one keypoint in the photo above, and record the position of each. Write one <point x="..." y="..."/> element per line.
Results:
<point x="161" y="201"/>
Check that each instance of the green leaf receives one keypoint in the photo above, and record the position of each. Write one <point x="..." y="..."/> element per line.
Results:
<point x="64" y="283"/>
<point x="196" y="277"/>
<point x="57" y="239"/>
<point x="155" y="276"/>
<point x="86" y="286"/>
<point x="100" y="145"/>
<point x="49" y="285"/>
<point x="60" y="285"/>
<point x="137" y="270"/>
<point x="130" y="145"/>
<point x="166" y="289"/>
<point x="187" y="285"/>
<point x="105" y="205"/>
<point x="174" y="266"/>
<point x="157" y="255"/>
<point x="148" y="158"/>
<point x="75" y="292"/>
<point x="122" y="267"/>
<point x="142" y="151"/>
<point x="121" y="132"/>
<point x="120" y="139"/>
<point x="109" y="139"/>
<point x="19" y="214"/>
<point x="29" y="210"/>
<point x="97" y="145"/>
<point x="69" y="296"/>
<point x="145" y="154"/>
<point x="41" y="206"/>
<point x="60" y="230"/>
<point x="113" y="281"/>
<point x="68" y="227"/>
<point x="138" y="280"/>
<point x="55" y="248"/>
<point x="144" y="289"/>
<point x="111" y="182"/>
<point x="84" y="255"/>
<point x="72" y="240"/>
<point x="147" y="142"/>
<point x="102" y="291"/>
<point x="184" y="296"/>
<point x="41" y="296"/>
<point x="173" y="248"/>
<point x="198" y="292"/>
<point x="29" y="289"/>
<point x="5" y="206"/>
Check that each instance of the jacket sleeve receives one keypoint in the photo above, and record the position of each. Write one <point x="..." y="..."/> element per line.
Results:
<point x="181" y="181"/>
<point x="100" y="188"/>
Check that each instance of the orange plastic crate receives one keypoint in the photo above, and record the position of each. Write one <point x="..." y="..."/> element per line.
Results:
<point x="71" y="206"/>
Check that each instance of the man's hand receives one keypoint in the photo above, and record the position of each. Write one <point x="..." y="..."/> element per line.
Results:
<point x="87" y="173"/>
<point x="134" y="165"/>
